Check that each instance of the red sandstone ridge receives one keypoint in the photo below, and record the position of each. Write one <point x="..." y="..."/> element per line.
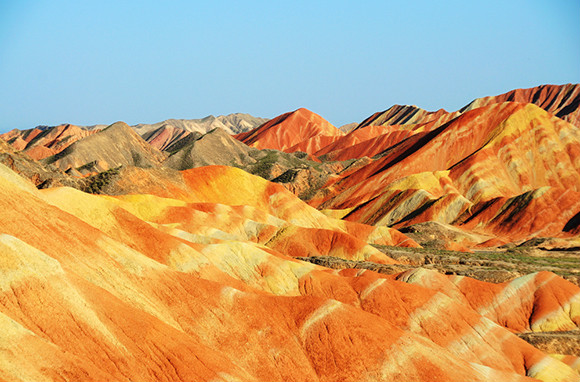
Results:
<point x="495" y="169"/>
<point x="506" y="170"/>
<point x="196" y="274"/>
<point x="563" y="101"/>
<point x="365" y="141"/>
<point x="404" y="115"/>
<point x="300" y="130"/>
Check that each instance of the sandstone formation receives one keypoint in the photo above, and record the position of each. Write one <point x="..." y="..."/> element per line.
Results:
<point x="44" y="141"/>
<point x="213" y="148"/>
<point x="300" y="130"/>
<point x="292" y="252"/>
<point x="406" y="115"/>
<point x="561" y="101"/>
<point x="501" y="165"/>
<point x="167" y="137"/>
<point x="144" y="287"/>
<point x="297" y="171"/>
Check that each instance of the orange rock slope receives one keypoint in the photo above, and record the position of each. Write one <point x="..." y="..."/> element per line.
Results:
<point x="383" y="130"/>
<point x="300" y="130"/>
<point x="510" y="170"/>
<point x="563" y="101"/>
<point x="184" y="286"/>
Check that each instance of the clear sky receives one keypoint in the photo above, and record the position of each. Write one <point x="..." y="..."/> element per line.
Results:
<point x="89" y="62"/>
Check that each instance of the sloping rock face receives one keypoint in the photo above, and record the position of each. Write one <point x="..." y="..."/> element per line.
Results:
<point x="300" y="130"/>
<point x="348" y="127"/>
<point x="509" y="169"/>
<point x="401" y="121"/>
<point x="406" y="115"/>
<point x="167" y="137"/>
<point x="368" y="141"/>
<point x="44" y="141"/>
<point x="184" y="286"/>
<point x="500" y="170"/>
<point x="117" y="145"/>
<point x="216" y="147"/>
<point x="297" y="172"/>
<point x="563" y="101"/>
<point x="232" y="186"/>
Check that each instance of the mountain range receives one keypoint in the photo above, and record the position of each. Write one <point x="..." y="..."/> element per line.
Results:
<point x="43" y="141"/>
<point x="414" y="246"/>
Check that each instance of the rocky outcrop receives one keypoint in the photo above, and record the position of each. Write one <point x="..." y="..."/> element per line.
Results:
<point x="562" y="101"/>
<point x="406" y="115"/>
<point x="167" y="137"/>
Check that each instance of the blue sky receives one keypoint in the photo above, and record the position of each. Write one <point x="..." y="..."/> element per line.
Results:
<point x="89" y="62"/>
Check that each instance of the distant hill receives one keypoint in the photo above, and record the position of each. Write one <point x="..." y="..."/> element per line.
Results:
<point x="300" y="130"/>
<point x="114" y="146"/>
<point x="165" y="137"/>
<point x="43" y="141"/>
<point x="42" y="176"/>
<point x="561" y="100"/>
<point x="216" y="147"/>
<point x="232" y="123"/>
<point x="348" y="127"/>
